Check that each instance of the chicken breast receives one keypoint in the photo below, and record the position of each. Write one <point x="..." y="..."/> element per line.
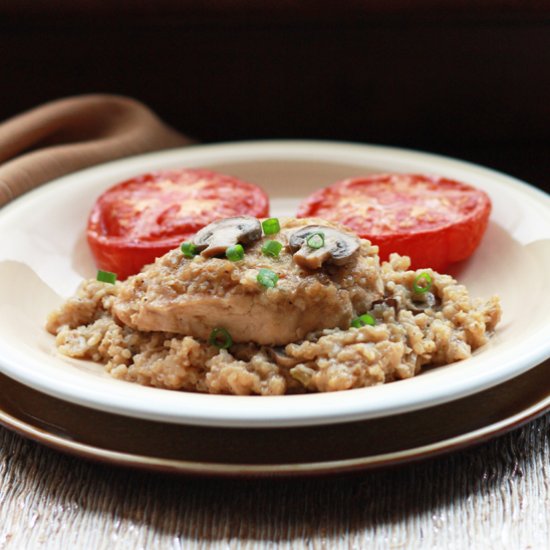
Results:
<point x="195" y="296"/>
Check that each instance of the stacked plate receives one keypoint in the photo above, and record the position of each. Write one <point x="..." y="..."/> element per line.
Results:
<point x="74" y="406"/>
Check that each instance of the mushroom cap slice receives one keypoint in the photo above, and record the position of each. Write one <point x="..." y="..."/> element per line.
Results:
<point x="278" y="354"/>
<point x="338" y="248"/>
<point x="218" y="236"/>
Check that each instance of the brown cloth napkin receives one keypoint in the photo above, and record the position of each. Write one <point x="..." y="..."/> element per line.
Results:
<point x="69" y="134"/>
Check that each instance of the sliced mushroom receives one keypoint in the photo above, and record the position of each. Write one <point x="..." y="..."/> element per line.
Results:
<point x="217" y="237"/>
<point x="338" y="247"/>
<point x="280" y="357"/>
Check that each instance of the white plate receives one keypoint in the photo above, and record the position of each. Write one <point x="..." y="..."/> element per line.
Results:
<point x="44" y="256"/>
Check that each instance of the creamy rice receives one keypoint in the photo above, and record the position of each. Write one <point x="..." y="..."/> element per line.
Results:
<point x="408" y="335"/>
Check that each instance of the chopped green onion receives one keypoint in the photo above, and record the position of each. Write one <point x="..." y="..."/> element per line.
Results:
<point x="271" y="226"/>
<point x="316" y="240"/>
<point x="362" y="320"/>
<point x="425" y="286"/>
<point x="267" y="278"/>
<point x="106" y="277"/>
<point x="235" y="253"/>
<point x="220" y="338"/>
<point x="272" y="248"/>
<point x="189" y="250"/>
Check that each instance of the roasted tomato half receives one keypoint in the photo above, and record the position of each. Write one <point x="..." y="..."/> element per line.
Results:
<point x="135" y="221"/>
<point x="433" y="220"/>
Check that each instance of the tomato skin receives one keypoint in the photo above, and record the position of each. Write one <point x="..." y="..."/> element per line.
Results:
<point x="140" y="219"/>
<point x="433" y="220"/>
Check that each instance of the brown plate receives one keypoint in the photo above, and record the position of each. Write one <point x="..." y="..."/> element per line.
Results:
<point x="333" y="448"/>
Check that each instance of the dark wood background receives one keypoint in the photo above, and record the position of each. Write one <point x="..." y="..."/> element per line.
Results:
<point x="466" y="78"/>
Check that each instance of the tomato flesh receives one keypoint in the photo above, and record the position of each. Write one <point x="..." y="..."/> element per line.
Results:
<point x="135" y="221"/>
<point x="433" y="220"/>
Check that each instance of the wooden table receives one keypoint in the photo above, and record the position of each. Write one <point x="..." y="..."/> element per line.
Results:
<point x="496" y="495"/>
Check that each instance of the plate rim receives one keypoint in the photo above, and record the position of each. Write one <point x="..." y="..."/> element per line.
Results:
<point x="149" y="463"/>
<point x="275" y="147"/>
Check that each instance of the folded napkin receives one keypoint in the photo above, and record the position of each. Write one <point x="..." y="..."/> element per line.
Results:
<point x="69" y="134"/>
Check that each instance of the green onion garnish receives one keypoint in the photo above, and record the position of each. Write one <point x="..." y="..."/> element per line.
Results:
<point x="362" y="320"/>
<point x="106" y="277"/>
<point x="425" y="286"/>
<point x="272" y="248"/>
<point x="220" y="338"/>
<point x="316" y="240"/>
<point x="271" y="226"/>
<point x="267" y="278"/>
<point x="235" y="253"/>
<point x="189" y="250"/>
